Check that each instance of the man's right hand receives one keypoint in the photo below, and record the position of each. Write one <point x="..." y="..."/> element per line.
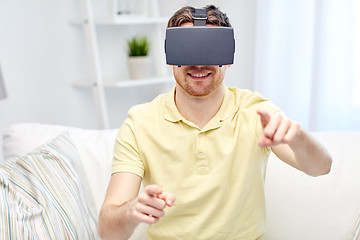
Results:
<point x="124" y="209"/>
<point x="150" y="204"/>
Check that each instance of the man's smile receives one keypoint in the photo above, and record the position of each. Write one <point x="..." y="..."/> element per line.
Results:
<point x="199" y="76"/>
<point x="199" y="73"/>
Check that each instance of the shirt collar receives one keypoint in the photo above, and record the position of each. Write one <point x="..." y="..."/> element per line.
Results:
<point x="171" y="112"/>
<point x="227" y="109"/>
<point x="228" y="106"/>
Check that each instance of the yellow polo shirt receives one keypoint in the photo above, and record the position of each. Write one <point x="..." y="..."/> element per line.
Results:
<point x="217" y="173"/>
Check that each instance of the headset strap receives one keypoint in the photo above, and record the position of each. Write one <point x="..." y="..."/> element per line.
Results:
<point x="200" y="16"/>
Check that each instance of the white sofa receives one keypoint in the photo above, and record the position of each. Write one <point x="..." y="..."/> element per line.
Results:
<point x="299" y="207"/>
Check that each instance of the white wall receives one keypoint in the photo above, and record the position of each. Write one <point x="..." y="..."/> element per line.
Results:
<point x="42" y="53"/>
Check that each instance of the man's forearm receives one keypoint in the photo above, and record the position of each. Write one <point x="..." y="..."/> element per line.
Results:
<point x="115" y="222"/>
<point x="311" y="156"/>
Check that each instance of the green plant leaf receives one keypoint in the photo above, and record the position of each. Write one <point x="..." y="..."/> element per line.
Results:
<point x="138" y="46"/>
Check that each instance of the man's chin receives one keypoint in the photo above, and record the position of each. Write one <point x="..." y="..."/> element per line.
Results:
<point x="196" y="89"/>
<point x="197" y="92"/>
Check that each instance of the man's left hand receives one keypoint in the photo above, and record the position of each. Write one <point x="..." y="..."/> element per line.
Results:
<point x="277" y="129"/>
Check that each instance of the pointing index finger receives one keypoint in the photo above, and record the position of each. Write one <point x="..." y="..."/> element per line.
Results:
<point x="264" y="116"/>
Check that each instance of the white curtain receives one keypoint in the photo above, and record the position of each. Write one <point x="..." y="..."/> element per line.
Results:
<point x="308" y="61"/>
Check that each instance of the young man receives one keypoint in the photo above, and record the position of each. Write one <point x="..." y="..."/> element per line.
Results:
<point x="201" y="151"/>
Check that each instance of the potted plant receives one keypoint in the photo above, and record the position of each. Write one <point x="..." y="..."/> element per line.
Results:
<point x="139" y="61"/>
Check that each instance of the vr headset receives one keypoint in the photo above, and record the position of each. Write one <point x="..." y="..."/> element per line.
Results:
<point x="199" y="45"/>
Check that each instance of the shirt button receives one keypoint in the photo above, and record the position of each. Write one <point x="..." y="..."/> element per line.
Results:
<point x="204" y="170"/>
<point x="201" y="155"/>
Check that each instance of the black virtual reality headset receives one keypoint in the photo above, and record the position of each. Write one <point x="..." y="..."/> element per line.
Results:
<point x="199" y="45"/>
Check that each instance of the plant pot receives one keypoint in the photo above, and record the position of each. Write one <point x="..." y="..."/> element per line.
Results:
<point x="140" y="67"/>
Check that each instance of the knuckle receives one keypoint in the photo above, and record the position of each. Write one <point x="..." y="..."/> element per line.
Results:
<point x="162" y="204"/>
<point x="296" y="125"/>
<point x="138" y="207"/>
<point x="287" y="122"/>
<point x="268" y="132"/>
<point x="278" y="116"/>
<point x="142" y="198"/>
<point x="149" y="187"/>
<point x="288" y="139"/>
<point x="159" y="214"/>
<point x="278" y="139"/>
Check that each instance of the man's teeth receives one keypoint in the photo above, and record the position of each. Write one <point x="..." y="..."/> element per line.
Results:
<point x="198" y="75"/>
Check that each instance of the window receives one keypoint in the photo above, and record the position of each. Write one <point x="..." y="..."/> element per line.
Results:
<point x="356" y="94"/>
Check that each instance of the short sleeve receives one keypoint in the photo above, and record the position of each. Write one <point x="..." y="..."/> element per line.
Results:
<point x="126" y="155"/>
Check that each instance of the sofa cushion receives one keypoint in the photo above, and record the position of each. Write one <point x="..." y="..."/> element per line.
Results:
<point x="42" y="195"/>
<point x="323" y="208"/>
<point x="95" y="148"/>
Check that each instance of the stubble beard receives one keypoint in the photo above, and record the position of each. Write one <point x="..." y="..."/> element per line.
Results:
<point x="201" y="88"/>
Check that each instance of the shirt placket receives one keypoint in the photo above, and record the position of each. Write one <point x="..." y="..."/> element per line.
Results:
<point x="202" y="164"/>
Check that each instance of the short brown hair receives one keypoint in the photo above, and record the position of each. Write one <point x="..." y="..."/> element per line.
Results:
<point x="184" y="15"/>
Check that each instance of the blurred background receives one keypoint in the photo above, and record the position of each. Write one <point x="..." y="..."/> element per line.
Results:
<point x="304" y="55"/>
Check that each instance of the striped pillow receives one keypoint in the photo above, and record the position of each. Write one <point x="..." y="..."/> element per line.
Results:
<point x="43" y="196"/>
<point x="356" y="230"/>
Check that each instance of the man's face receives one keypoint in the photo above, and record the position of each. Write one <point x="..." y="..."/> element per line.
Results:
<point x="199" y="80"/>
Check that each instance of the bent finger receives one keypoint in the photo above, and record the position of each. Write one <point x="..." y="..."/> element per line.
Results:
<point x="264" y="141"/>
<point x="153" y="190"/>
<point x="168" y="197"/>
<point x="272" y="126"/>
<point x="145" y="218"/>
<point x="281" y="132"/>
<point x="152" y="201"/>
<point x="292" y="133"/>
<point x="148" y="210"/>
